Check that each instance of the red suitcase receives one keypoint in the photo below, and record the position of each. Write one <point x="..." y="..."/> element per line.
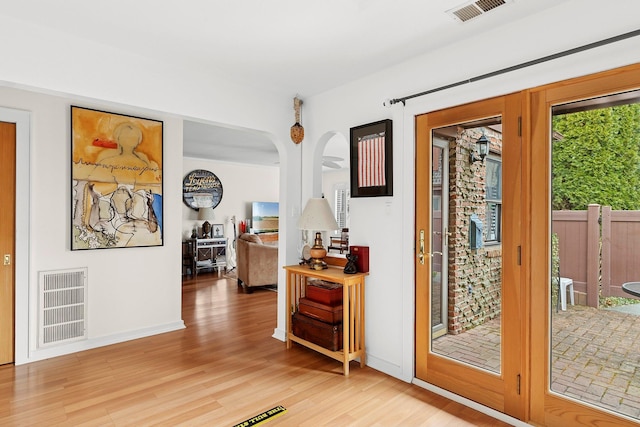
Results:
<point x="324" y="292"/>
<point x="323" y="312"/>
<point x="317" y="332"/>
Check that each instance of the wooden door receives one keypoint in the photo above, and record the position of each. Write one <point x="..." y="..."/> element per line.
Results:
<point x="485" y="277"/>
<point x="7" y="244"/>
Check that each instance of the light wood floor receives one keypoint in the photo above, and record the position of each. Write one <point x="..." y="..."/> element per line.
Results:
<point x="222" y="369"/>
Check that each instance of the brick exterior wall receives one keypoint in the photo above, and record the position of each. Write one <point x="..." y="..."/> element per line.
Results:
<point x="474" y="275"/>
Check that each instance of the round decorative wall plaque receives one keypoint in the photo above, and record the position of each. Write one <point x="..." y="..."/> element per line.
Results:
<point x="201" y="189"/>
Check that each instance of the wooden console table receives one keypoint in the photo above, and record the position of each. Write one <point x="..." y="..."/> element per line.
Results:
<point x="352" y="314"/>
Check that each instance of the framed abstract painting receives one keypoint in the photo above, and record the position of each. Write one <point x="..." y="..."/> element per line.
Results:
<point x="116" y="180"/>
<point x="371" y="160"/>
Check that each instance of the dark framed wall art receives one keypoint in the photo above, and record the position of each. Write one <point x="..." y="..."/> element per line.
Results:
<point x="201" y="189"/>
<point x="116" y="182"/>
<point x="371" y="160"/>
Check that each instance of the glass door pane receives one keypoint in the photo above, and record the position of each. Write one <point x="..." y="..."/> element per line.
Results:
<point x="466" y="246"/>
<point x="595" y="241"/>
<point x="439" y="227"/>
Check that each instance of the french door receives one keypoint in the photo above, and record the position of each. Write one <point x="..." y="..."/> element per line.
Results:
<point x="469" y="291"/>
<point x="601" y="359"/>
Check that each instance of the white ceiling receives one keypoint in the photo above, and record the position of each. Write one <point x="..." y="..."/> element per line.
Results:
<point x="293" y="47"/>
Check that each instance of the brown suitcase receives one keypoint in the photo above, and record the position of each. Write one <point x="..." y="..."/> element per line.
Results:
<point x="323" y="312"/>
<point x="324" y="292"/>
<point x="317" y="332"/>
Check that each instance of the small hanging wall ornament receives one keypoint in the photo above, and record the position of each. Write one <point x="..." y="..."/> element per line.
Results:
<point x="297" y="131"/>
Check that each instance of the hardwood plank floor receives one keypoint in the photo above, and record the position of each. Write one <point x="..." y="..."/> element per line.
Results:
<point x="222" y="369"/>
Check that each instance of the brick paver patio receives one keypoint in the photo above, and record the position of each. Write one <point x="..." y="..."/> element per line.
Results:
<point x="479" y="346"/>
<point x="595" y="355"/>
<point x="596" y="358"/>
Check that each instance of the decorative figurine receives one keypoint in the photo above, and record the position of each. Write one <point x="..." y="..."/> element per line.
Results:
<point x="350" y="267"/>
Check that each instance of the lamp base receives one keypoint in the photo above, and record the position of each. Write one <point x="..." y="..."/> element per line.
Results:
<point x="317" y="264"/>
<point x="317" y="252"/>
<point x="206" y="230"/>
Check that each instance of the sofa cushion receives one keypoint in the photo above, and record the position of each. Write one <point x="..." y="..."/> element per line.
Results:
<point x="251" y="237"/>
<point x="257" y="262"/>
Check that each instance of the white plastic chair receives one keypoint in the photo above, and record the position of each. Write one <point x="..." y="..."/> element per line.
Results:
<point x="564" y="283"/>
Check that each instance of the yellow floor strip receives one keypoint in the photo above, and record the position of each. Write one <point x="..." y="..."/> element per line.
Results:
<point x="263" y="417"/>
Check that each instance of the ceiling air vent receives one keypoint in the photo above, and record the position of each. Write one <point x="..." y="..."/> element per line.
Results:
<point x="468" y="11"/>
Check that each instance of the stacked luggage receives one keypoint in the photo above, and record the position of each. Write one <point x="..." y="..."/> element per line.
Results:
<point x="319" y="315"/>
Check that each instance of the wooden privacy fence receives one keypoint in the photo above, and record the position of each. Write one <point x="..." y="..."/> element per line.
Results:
<point x="599" y="250"/>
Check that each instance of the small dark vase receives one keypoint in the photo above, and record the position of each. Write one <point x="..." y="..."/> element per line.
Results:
<point x="350" y="267"/>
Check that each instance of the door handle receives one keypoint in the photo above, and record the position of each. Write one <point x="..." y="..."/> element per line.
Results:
<point x="445" y="236"/>
<point x="421" y="253"/>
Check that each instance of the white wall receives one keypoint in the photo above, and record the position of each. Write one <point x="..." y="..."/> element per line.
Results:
<point x="130" y="294"/>
<point x="386" y="224"/>
<point x="241" y="185"/>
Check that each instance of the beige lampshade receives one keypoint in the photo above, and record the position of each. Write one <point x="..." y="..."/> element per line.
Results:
<point x="317" y="216"/>
<point x="205" y="214"/>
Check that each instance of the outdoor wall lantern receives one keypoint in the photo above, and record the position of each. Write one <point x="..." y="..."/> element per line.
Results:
<point x="482" y="147"/>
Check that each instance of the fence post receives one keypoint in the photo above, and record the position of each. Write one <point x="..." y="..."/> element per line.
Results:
<point x="593" y="255"/>
<point x="606" y="251"/>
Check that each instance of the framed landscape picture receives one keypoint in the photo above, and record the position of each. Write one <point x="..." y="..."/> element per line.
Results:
<point x="116" y="182"/>
<point x="371" y="160"/>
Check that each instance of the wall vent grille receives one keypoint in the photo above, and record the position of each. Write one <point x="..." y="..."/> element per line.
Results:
<point x="62" y="306"/>
<point x="470" y="10"/>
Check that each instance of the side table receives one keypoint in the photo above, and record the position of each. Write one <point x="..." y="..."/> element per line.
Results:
<point x="352" y="314"/>
<point x="632" y="288"/>
<point x="209" y="253"/>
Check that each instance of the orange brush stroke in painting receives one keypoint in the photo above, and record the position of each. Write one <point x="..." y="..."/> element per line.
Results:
<point x="104" y="143"/>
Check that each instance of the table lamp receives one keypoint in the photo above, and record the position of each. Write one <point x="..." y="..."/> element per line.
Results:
<point x="317" y="216"/>
<point x="206" y="215"/>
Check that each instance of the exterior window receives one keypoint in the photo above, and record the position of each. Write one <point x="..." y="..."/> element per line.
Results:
<point x="494" y="200"/>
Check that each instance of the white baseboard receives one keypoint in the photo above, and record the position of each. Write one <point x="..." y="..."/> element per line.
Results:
<point x="74" y="347"/>
<point x="279" y="334"/>
<point x="387" y="367"/>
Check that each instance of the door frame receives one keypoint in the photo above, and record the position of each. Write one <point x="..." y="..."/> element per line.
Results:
<point x="505" y="392"/>
<point x="7" y="242"/>
<point x="22" y="119"/>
